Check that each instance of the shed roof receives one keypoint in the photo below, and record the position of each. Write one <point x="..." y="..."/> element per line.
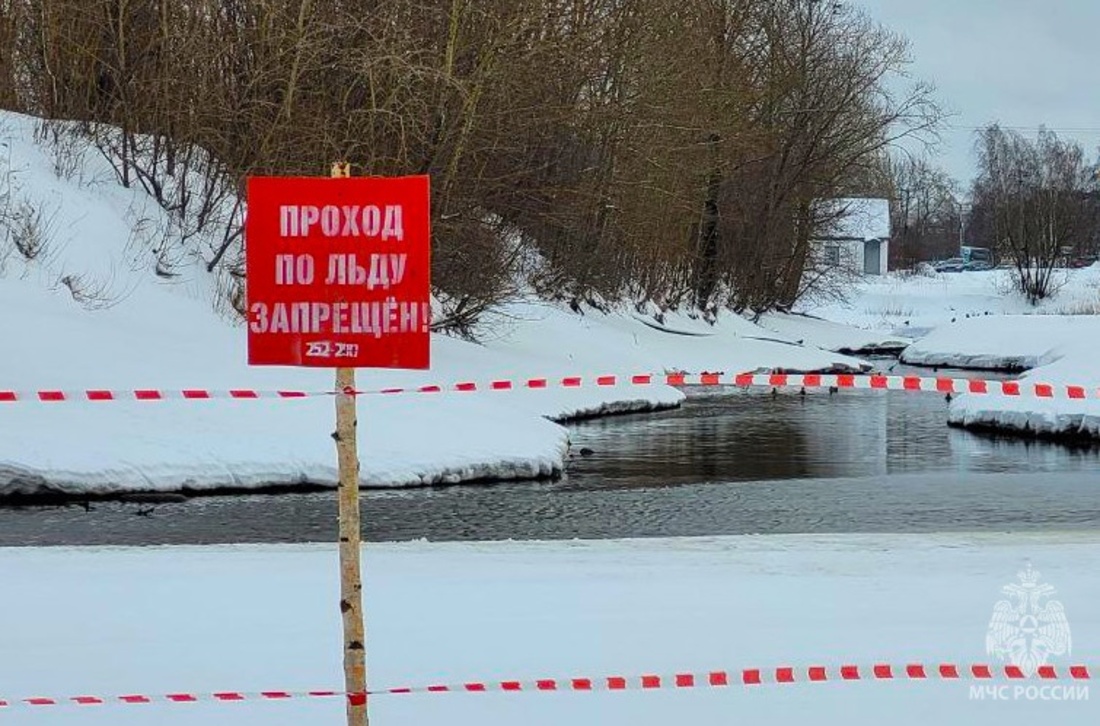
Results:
<point x="860" y="218"/>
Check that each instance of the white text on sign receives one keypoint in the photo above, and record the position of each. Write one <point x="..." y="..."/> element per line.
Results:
<point x="377" y="318"/>
<point x="328" y="349"/>
<point x="381" y="271"/>
<point x="342" y="221"/>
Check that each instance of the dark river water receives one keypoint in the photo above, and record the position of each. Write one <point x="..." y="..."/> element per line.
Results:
<point x="740" y="463"/>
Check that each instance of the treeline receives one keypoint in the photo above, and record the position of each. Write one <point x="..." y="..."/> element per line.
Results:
<point x="672" y="150"/>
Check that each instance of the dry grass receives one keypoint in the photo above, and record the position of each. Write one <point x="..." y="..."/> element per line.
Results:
<point x="1080" y="307"/>
<point x="891" y="311"/>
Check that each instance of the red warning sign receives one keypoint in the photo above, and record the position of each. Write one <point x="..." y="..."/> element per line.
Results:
<point x="338" y="271"/>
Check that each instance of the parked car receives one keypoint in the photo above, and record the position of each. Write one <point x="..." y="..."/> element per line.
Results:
<point x="1079" y="262"/>
<point x="977" y="266"/>
<point x="955" y="264"/>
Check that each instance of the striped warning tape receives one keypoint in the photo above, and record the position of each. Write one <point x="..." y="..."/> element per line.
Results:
<point x="809" y="381"/>
<point x="147" y="394"/>
<point x="748" y="677"/>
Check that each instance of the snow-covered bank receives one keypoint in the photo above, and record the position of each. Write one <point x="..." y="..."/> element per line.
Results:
<point x="838" y="337"/>
<point x="1004" y="342"/>
<point x="91" y="311"/>
<point x="1078" y="364"/>
<point x="259" y="618"/>
<point x="1057" y="349"/>
<point x="407" y="440"/>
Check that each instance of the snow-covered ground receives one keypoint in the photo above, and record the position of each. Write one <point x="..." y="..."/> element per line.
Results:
<point x="1006" y="342"/>
<point x="830" y="335"/>
<point x="912" y="305"/>
<point x="158" y="620"/>
<point x="135" y="329"/>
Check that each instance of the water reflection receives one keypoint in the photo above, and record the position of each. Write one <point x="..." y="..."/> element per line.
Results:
<point x="755" y="436"/>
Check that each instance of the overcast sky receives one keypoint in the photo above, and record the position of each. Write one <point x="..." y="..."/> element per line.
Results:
<point x="1019" y="62"/>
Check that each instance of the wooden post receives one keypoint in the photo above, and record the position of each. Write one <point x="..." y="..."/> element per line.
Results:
<point x="351" y="585"/>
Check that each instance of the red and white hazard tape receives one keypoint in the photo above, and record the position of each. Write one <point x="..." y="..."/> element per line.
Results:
<point x="808" y="381"/>
<point x="748" y="677"/>
<point x="147" y="394"/>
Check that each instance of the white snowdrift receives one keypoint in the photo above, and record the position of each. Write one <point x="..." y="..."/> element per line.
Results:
<point x="828" y="335"/>
<point x="1005" y="342"/>
<point x="208" y="619"/>
<point x="139" y="330"/>
<point x="203" y="445"/>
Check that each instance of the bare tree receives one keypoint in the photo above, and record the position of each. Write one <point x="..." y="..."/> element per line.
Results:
<point x="1036" y="198"/>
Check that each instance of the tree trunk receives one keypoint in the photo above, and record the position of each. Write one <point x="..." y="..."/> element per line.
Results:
<point x="707" y="277"/>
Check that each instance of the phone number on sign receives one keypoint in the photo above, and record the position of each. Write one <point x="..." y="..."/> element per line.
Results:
<point x="329" y="349"/>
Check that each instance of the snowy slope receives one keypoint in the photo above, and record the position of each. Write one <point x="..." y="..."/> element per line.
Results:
<point x="195" y="619"/>
<point x="133" y="329"/>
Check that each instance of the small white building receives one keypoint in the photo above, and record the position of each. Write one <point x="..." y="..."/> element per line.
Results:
<point x="859" y="239"/>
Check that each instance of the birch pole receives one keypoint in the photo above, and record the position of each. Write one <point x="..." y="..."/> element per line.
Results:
<point x="351" y="584"/>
